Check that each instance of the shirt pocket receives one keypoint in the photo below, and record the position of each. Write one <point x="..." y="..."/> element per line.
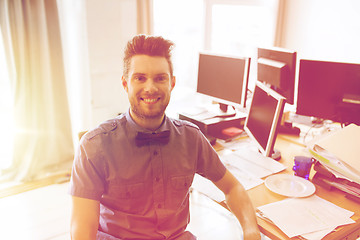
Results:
<point x="129" y="198"/>
<point x="180" y="186"/>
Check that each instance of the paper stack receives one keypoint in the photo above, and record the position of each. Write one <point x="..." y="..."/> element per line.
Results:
<point x="311" y="218"/>
<point x="340" y="152"/>
<point x="246" y="165"/>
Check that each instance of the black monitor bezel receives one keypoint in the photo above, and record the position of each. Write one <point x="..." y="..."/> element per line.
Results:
<point x="268" y="150"/>
<point x="322" y="86"/>
<point x="245" y="80"/>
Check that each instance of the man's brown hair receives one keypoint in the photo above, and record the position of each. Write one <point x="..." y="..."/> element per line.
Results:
<point x="154" y="46"/>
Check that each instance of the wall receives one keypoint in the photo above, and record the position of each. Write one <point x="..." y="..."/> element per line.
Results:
<point x="110" y="24"/>
<point x="316" y="29"/>
<point x="323" y="29"/>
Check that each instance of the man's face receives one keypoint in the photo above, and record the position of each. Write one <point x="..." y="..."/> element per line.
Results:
<point x="149" y="86"/>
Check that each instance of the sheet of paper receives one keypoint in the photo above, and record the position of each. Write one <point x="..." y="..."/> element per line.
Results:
<point x="298" y="216"/>
<point x="246" y="164"/>
<point x="252" y="162"/>
<point x="206" y="187"/>
<point x="237" y="143"/>
<point x="318" y="234"/>
<point x="247" y="180"/>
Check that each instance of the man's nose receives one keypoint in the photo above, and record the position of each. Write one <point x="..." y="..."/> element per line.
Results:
<point x="150" y="86"/>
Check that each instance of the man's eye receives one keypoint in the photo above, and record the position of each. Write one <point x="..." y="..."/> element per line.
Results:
<point x="139" y="78"/>
<point x="161" y="78"/>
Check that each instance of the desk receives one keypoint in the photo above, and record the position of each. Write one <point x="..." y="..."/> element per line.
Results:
<point x="260" y="195"/>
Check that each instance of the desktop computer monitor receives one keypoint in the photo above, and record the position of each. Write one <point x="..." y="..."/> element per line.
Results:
<point x="224" y="79"/>
<point x="329" y="90"/>
<point x="263" y="118"/>
<point x="277" y="67"/>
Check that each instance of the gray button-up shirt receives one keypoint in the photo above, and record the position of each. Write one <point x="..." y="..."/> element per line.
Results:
<point x="143" y="191"/>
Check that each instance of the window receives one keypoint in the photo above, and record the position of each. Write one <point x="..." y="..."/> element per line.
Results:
<point x="181" y="22"/>
<point x="232" y="27"/>
<point x="239" y="28"/>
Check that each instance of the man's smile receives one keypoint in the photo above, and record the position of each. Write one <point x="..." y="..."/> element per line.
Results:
<point x="150" y="100"/>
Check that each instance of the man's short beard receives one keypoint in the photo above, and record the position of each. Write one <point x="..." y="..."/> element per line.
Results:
<point x="141" y="114"/>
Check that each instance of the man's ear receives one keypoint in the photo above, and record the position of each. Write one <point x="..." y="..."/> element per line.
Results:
<point x="124" y="83"/>
<point x="173" y="82"/>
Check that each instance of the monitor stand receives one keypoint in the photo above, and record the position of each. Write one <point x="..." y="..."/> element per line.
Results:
<point x="286" y="125"/>
<point x="276" y="155"/>
<point x="211" y="111"/>
<point x="288" y="128"/>
<point x="223" y="111"/>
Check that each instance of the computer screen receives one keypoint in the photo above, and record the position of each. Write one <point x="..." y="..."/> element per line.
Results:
<point x="277" y="68"/>
<point x="224" y="78"/>
<point x="329" y="90"/>
<point x="263" y="118"/>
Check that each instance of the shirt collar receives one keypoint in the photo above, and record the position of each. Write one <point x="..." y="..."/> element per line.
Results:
<point x="135" y="127"/>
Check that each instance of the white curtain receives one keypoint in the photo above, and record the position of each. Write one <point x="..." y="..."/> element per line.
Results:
<point x="42" y="135"/>
<point x="145" y="17"/>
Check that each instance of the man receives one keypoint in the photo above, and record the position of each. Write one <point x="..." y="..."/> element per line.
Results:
<point x="132" y="174"/>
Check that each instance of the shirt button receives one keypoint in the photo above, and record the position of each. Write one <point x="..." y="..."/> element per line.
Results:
<point x="157" y="179"/>
<point x="159" y="205"/>
<point x="155" y="153"/>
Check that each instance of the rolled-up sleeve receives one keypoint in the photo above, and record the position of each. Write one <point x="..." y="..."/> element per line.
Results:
<point x="87" y="180"/>
<point x="209" y="164"/>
